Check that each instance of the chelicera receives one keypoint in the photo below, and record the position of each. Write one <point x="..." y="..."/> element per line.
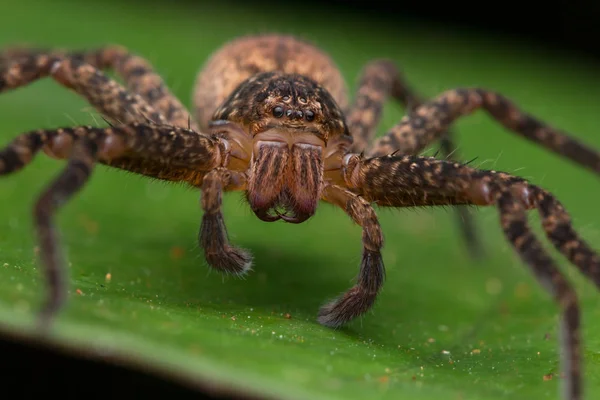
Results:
<point x="272" y="120"/>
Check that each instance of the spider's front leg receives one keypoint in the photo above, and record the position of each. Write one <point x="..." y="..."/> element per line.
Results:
<point x="410" y="181"/>
<point x="379" y="80"/>
<point x="213" y="232"/>
<point x="160" y="151"/>
<point x="362" y="296"/>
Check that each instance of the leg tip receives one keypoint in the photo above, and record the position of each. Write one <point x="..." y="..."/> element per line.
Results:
<point x="352" y="304"/>
<point x="327" y="317"/>
<point x="47" y="316"/>
<point x="231" y="260"/>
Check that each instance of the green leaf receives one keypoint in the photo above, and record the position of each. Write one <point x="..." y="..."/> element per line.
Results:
<point x="445" y="326"/>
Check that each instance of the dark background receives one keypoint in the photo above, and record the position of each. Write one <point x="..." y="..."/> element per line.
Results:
<point x="571" y="26"/>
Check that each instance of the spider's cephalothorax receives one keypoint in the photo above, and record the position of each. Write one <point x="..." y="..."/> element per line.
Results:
<point x="291" y="120"/>
<point x="273" y="120"/>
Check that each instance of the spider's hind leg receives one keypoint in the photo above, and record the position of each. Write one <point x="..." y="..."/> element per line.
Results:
<point x="514" y="224"/>
<point x="13" y="158"/>
<point x="65" y="186"/>
<point x="381" y="79"/>
<point x="20" y="66"/>
<point x="105" y="94"/>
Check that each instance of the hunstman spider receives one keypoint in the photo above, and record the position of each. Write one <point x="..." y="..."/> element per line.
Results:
<point x="273" y="120"/>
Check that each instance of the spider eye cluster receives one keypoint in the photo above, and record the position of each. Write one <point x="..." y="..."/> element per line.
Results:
<point x="280" y="111"/>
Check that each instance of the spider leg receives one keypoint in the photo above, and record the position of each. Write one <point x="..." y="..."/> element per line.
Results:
<point x="559" y="229"/>
<point x="514" y="224"/>
<point x="213" y="232"/>
<point x="379" y="80"/>
<point x="463" y="214"/>
<point x="22" y="65"/>
<point x="430" y="121"/>
<point x="105" y="94"/>
<point x="419" y="181"/>
<point x="361" y="297"/>
<point x="64" y="187"/>
<point x="163" y="152"/>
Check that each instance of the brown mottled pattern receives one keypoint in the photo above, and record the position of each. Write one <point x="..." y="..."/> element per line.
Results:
<point x="559" y="229"/>
<point x="409" y="181"/>
<point x="20" y="66"/>
<point x="245" y="57"/>
<point x="431" y="120"/>
<point x="150" y="150"/>
<point x="24" y="69"/>
<point x="253" y="104"/>
<point x="143" y="80"/>
<point x="463" y="214"/>
<point x="514" y="224"/>
<point x="213" y="234"/>
<point x="21" y="150"/>
<point x="65" y="186"/>
<point x="105" y="94"/>
<point x="379" y="80"/>
<point x="360" y="298"/>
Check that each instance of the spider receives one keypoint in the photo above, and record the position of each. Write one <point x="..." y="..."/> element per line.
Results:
<point x="273" y="121"/>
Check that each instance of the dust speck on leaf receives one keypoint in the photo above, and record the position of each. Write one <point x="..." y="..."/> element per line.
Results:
<point x="176" y="252"/>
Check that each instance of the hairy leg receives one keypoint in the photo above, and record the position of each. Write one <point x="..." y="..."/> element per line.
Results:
<point x="381" y="79"/>
<point x="362" y="296"/>
<point x="20" y="66"/>
<point x="163" y="152"/>
<point x="463" y="214"/>
<point x="514" y="224"/>
<point x="419" y="181"/>
<point x="430" y="121"/>
<point x="64" y="187"/>
<point x="213" y="233"/>
<point x="105" y="94"/>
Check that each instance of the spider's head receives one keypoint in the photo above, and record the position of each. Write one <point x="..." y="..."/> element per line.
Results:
<point x="286" y="103"/>
<point x="291" y="120"/>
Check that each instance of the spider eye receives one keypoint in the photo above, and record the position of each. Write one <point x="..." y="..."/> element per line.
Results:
<point x="278" y="111"/>
<point x="309" y="115"/>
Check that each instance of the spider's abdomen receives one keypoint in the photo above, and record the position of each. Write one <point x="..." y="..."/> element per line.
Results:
<point x="245" y="57"/>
